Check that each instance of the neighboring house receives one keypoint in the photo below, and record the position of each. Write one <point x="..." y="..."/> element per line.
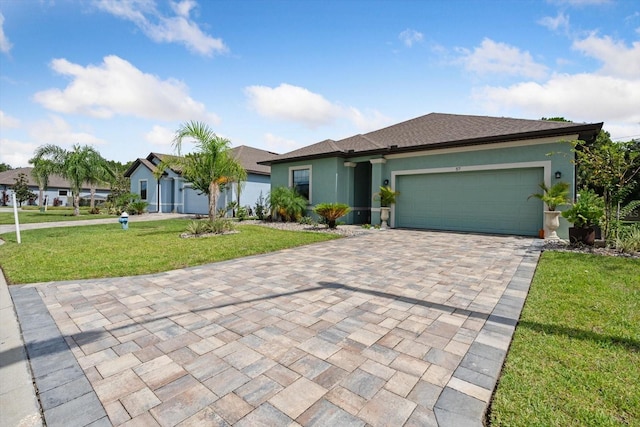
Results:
<point x="453" y="172"/>
<point x="58" y="189"/>
<point x="172" y="193"/>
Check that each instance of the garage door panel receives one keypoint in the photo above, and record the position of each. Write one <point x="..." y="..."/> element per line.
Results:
<point x="480" y="201"/>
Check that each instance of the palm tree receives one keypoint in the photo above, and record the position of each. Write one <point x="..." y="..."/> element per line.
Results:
<point x="42" y="168"/>
<point x="79" y="166"/>
<point x="210" y="166"/>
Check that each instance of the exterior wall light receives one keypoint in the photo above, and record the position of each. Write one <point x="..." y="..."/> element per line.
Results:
<point x="558" y="174"/>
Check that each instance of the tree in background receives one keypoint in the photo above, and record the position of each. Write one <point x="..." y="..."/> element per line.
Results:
<point x="211" y="166"/>
<point x="21" y="188"/>
<point x="42" y="168"/>
<point x="5" y="167"/>
<point x="80" y="165"/>
<point x="612" y="169"/>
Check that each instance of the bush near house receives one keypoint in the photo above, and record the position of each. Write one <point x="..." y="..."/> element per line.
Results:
<point x="286" y="204"/>
<point x="331" y="212"/>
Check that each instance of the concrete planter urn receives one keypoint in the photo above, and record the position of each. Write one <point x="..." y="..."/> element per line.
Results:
<point x="551" y="223"/>
<point x="384" y="217"/>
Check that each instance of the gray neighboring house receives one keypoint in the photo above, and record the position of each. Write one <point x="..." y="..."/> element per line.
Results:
<point x="173" y="193"/>
<point x="58" y="189"/>
<point x="453" y="172"/>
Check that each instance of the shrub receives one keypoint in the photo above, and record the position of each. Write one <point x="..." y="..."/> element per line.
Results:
<point x="587" y="211"/>
<point x="138" y="207"/>
<point x="198" y="227"/>
<point x="221" y="225"/>
<point x="242" y="213"/>
<point x="260" y="208"/>
<point x="331" y="212"/>
<point x="628" y="239"/>
<point x="306" y="220"/>
<point x="94" y="211"/>
<point x="286" y="204"/>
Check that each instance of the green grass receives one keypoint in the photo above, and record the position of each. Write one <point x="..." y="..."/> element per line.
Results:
<point x="33" y="216"/>
<point x="575" y="357"/>
<point x="147" y="247"/>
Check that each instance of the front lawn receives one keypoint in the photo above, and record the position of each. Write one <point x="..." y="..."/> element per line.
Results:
<point x="575" y="357"/>
<point x="53" y="215"/>
<point x="147" y="247"/>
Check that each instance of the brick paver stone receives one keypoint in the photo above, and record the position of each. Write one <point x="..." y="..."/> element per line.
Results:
<point x="388" y="328"/>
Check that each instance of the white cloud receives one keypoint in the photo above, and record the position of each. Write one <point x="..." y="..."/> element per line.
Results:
<point x="169" y="29"/>
<point x="278" y="144"/>
<point x="409" y="37"/>
<point x="617" y="59"/>
<point x="160" y="136"/>
<point x="57" y="131"/>
<point x="5" y="44"/>
<point x="8" y="122"/>
<point x="499" y="58"/>
<point x="292" y="103"/>
<point x="297" y="104"/>
<point x="560" y="22"/>
<point x="16" y="153"/>
<point x="118" y="88"/>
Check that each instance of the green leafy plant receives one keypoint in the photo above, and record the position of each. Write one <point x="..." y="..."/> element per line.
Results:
<point x="331" y="212"/>
<point x="587" y="211"/>
<point x="198" y="227"/>
<point x="386" y="195"/>
<point x="306" y="220"/>
<point x="221" y="226"/>
<point x="554" y="196"/>
<point x="628" y="240"/>
<point x="138" y="207"/>
<point x="243" y="213"/>
<point x="260" y="207"/>
<point x="285" y="203"/>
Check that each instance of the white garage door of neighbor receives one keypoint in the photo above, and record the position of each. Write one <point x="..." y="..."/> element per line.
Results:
<point x="492" y="201"/>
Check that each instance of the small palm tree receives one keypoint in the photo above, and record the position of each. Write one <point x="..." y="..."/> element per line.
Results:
<point x="42" y="168"/>
<point x="386" y="195"/>
<point x="80" y="165"/>
<point x="286" y="204"/>
<point x="331" y="212"/>
<point x="211" y="166"/>
<point x="554" y="196"/>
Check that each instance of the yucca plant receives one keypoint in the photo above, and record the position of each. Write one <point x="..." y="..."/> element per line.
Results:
<point x="331" y="212"/>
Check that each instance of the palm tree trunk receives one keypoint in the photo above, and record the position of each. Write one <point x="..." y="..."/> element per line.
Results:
<point x="93" y="194"/>
<point x="76" y="204"/>
<point x="41" y="197"/>
<point x="213" y="200"/>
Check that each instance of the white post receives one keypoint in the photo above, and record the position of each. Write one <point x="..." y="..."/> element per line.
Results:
<point x="159" y="196"/>
<point x="15" y="216"/>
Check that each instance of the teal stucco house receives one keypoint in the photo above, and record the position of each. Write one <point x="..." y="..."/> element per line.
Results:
<point x="453" y="172"/>
<point x="173" y="193"/>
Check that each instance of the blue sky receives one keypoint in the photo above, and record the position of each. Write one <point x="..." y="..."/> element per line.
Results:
<point x="279" y="75"/>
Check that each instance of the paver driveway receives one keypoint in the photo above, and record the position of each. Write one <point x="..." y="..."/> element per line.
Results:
<point x="388" y="328"/>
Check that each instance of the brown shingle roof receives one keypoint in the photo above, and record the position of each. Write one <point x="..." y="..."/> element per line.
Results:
<point x="249" y="158"/>
<point x="9" y="177"/>
<point x="438" y="130"/>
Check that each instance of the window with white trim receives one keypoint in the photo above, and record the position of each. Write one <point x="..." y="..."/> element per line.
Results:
<point x="300" y="180"/>
<point x="143" y="189"/>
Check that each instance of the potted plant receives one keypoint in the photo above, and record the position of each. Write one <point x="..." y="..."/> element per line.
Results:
<point x="387" y="197"/>
<point x="584" y="214"/>
<point x="554" y="196"/>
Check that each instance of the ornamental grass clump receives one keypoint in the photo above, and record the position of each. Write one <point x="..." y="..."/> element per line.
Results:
<point x="331" y="212"/>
